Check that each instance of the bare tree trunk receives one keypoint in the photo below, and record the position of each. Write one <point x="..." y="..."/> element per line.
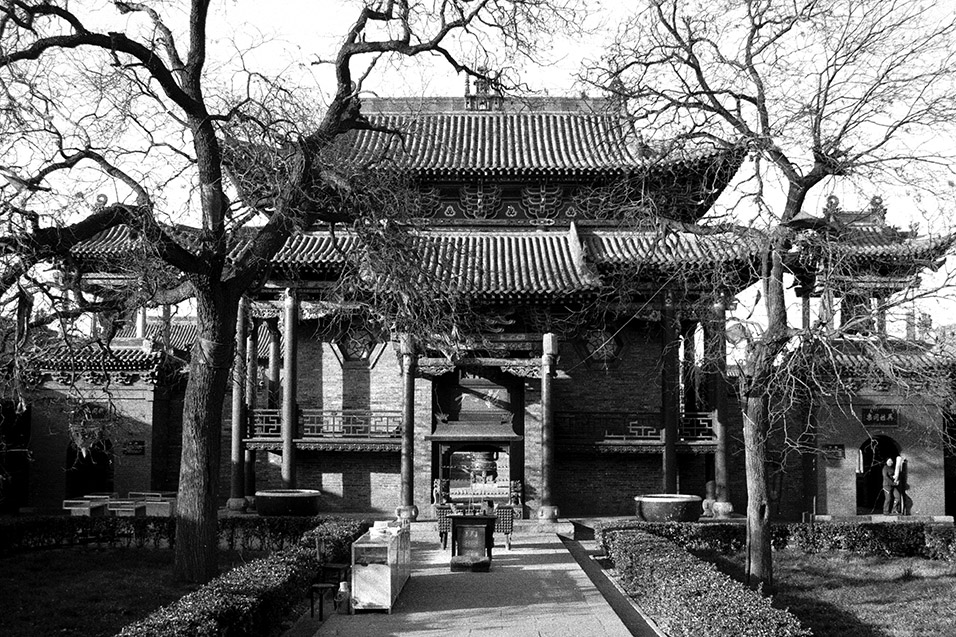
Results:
<point x="760" y="368"/>
<point x="209" y="373"/>
<point x="759" y="561"/>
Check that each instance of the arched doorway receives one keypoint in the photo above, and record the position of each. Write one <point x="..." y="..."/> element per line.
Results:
<point x="90" y="472"/>
<point x="869" y="483"/>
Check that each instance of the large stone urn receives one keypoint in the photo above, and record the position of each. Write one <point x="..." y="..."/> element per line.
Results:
<point x="668" y="507"/>
<point x="302" y="502"/>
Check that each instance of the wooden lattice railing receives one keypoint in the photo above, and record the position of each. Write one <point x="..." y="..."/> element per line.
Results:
<point x="631" y="426"/>
<point x="326" y="423"/>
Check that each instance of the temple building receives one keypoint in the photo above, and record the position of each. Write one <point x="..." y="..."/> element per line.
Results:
<point x="603" y="284"/>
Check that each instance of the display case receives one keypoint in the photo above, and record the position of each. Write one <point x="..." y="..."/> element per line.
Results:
<point x="381" y="564"/>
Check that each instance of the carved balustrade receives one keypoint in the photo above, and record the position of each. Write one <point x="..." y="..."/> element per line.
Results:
<point x="642" y="427"/>
<point x="326" y="423"/>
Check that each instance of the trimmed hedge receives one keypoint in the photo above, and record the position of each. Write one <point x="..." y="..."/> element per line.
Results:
<point x="248" y="533"/>
<point x="687" y="596"/>
<point x="896" y="539"/>
<point x="252" y="600"/>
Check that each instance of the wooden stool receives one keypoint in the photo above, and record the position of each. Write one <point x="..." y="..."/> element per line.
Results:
<point x="321" y="588"/>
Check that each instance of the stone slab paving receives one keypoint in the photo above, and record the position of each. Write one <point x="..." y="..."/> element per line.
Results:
<point x="535" y="589"/>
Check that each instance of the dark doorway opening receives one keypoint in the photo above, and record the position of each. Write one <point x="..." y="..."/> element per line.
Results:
<point x="89" y="472"/>
<point x="869" y="484"/>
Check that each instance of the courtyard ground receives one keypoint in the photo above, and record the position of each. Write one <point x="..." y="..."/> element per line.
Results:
<point x="838" y="594"/>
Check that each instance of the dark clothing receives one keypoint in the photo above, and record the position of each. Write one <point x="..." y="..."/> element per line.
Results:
<point x="888" y="481"/>
<point x="892" y="496"/>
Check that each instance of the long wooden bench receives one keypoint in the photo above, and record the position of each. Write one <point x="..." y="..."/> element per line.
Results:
<point x="504" y="524"/>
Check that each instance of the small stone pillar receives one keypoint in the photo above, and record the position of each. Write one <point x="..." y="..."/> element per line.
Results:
<point x="547" y="511"/>
<point x="237" y="487"/>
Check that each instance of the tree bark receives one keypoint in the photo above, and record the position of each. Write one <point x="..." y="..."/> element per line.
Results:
<point x="761" y="363"/>
<point x="759" y="561"/>
<point x="197" y="506"/>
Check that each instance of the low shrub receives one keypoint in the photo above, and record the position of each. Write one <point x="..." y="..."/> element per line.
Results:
<point x="253" y="599"/>
<point x="905" y="539"/>
<point x="249" y="600"/>
<point x="940" y="542"/>
<point x="245" y="533"/>
<point x="895" y="539"/>
<point x="723" y="538"/>
<point x="687" y="596"/>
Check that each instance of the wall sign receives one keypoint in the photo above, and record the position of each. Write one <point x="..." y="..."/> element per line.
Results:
<point x="879" y="416"/>
<point x="134" y="448"/>
<point x="834" y="451"/>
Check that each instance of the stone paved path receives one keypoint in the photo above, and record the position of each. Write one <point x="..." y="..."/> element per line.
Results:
<point x="535" y="589"/>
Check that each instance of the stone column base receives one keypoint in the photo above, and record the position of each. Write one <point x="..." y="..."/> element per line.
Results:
<point x="407" y="513"/>
<point x="547" y="513"/>
<point x="723" y="509"/>
<point x="236" y="504"/>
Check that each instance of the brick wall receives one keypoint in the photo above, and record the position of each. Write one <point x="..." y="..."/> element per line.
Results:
<point x="135" y="405"/>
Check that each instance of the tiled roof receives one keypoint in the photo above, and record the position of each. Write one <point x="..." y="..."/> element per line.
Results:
<point x="669" y="247"/>
<point x="182" y="335"/>
<point x="500" y="143"/>
<point x="93" y="358"/>
<point x="885" y="245"/>
<point x="507" y="263"/>
<point x="859" y="357"/>
<point x="517" y="263"/>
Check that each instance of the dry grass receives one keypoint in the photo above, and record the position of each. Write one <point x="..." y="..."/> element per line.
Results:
<point x="85" y="592"/>
<point x="843" y="595"/>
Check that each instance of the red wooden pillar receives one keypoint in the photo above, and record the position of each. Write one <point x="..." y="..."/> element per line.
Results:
<point x="715" y="343"/>
<point x="290" y="407"/>
<point x="670" y="392"/>
<point x="252" y="387"/>
<point x="237" y="488"/>
<point x="408" y="510"/>
<point x="547" y="511"/>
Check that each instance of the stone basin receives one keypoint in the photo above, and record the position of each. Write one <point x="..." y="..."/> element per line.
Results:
<point x="668" y="507"/>
<point x="301" y="502"/>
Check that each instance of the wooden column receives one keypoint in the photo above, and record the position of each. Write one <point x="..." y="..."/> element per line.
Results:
<point x="547" y="511"/>
<point x="273" y="386"/>
<point x="141" y="322"/>
<point x="290" y="407"/>
<point x="715" y="343"/>
<point x="252" y="387"/>
<point x="689" y="381"/>
<point x="670" y="392"/>
<point x="237" y="487"/>
<point x="167" y="327"/>
<point x="407" y="510"/>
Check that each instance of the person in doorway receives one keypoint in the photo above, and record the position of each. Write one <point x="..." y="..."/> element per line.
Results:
<point x="892" y="498"/>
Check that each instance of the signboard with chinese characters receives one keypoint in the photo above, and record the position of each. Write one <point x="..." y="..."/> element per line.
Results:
<point x="879" y="417"/>
<point x="134" y="448"/>
<point x="833" y="451"/>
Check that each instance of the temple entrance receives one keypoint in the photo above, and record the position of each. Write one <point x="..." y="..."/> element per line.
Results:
<point x="91" y="472"/>
<point x="869" y="478"/>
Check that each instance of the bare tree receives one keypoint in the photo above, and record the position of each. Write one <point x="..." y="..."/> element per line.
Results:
<point x="132" y="104"/>
<point x="821" y="92"/>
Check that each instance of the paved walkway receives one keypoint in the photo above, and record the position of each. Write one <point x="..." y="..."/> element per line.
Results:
<point x="535" y="589"/>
